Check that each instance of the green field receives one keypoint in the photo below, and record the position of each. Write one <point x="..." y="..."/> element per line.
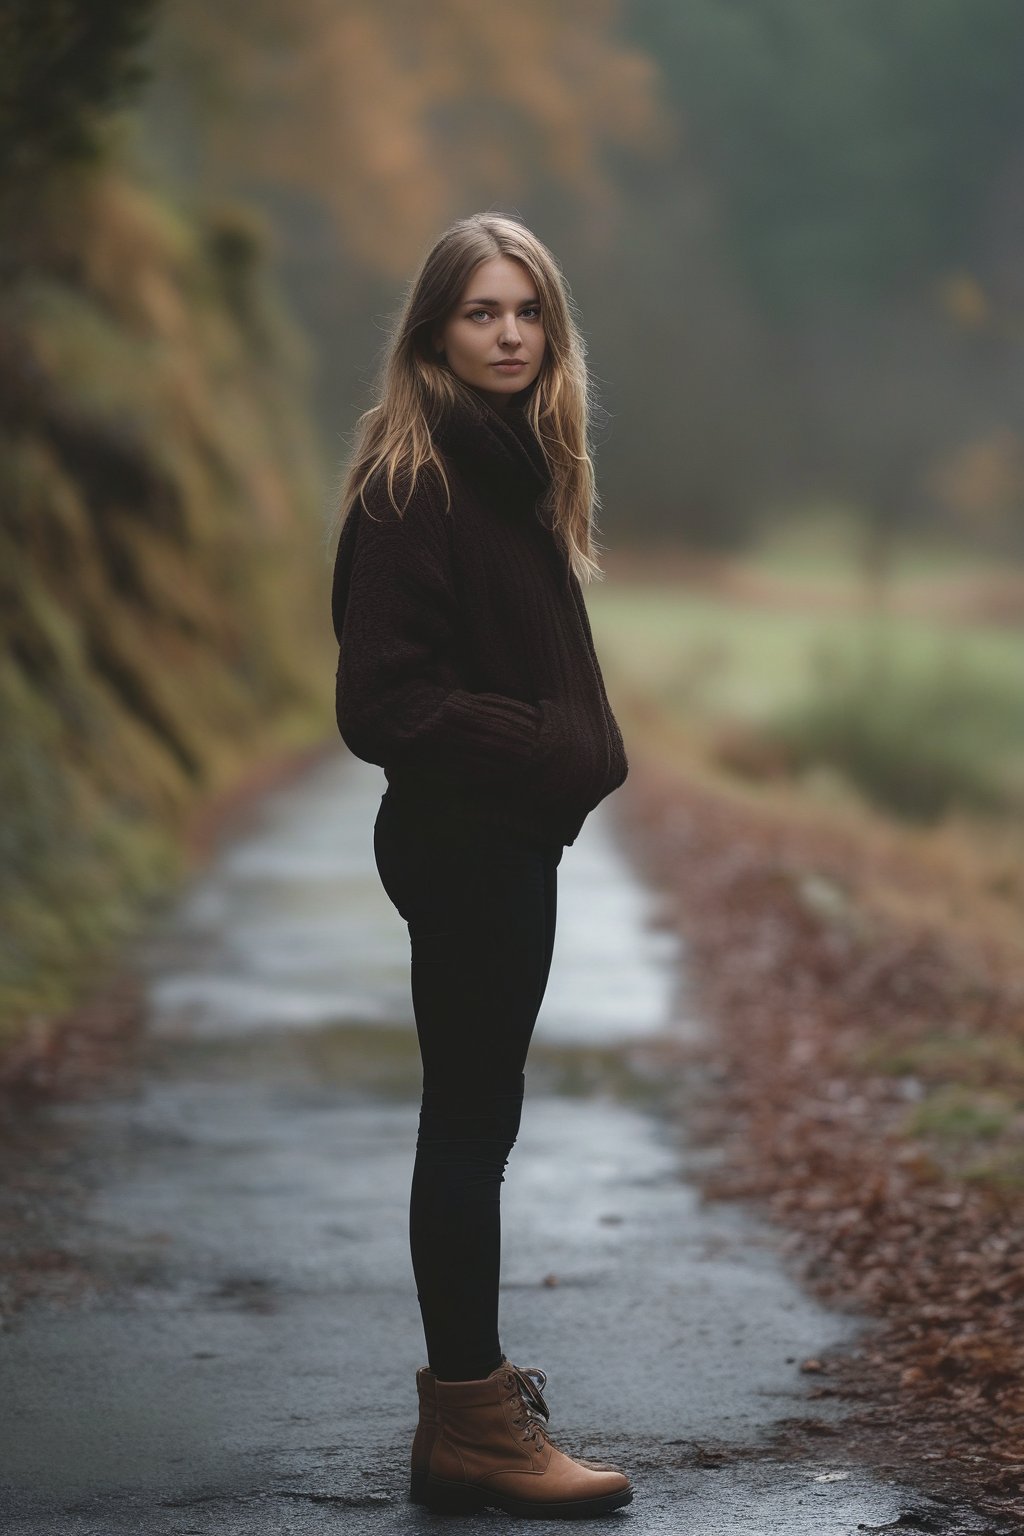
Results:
<point x="710" y="655"/>
<point x="898" y="702"/>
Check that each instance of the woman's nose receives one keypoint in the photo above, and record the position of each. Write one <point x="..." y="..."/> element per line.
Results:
<point x="510" y="333"/>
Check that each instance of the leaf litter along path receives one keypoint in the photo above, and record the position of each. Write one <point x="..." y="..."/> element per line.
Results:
<point x="810" y="990"/>
<point x="215" y="1328"/>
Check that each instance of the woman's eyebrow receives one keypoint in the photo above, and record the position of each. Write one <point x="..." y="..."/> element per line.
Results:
<point x="496" y="303"/>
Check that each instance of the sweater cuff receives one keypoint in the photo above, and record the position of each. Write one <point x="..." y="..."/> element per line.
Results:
<point x="498" y="728"/>
<point x="554" y="763"/>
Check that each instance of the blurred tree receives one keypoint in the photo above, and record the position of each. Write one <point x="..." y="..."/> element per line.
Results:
<point x="852" y="144"/>
<point x="364" y="128"/>
<point x="397" y="116"/>
<point x="762" y="206"/>
<point x="64" y="66"/>
<point x="853" y="155"/>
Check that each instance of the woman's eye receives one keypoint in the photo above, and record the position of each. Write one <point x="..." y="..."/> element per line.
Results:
<point x="528" y="312"/>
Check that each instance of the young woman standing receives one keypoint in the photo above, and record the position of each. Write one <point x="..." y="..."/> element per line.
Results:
<point x="467" y="670"/>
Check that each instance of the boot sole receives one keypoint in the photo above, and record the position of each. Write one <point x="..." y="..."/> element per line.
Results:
<point x="464" y="1499"/>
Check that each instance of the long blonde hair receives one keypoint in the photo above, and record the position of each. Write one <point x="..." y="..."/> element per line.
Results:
<point x="416" y="386"/>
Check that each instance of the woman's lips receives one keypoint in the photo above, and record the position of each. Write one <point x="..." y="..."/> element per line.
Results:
<point x="510" y="367"/>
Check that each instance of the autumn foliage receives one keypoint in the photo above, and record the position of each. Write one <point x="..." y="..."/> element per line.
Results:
<point x="399" y="116"/>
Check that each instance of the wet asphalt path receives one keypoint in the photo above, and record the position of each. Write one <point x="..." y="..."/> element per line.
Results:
<point x="230" y="1340"/>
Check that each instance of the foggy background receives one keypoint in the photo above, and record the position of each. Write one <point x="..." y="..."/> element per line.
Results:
<point x="795" y="232"/>
<point x="795" y="236"/>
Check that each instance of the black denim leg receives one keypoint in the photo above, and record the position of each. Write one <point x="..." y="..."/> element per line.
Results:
<point x="480" y="905"/>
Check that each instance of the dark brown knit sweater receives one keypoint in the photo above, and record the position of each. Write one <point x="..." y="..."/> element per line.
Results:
<point x="466" y="663"/>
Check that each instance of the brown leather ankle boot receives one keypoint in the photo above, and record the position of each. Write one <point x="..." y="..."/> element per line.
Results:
<point x="426" y="1429"/>
<point x="490" y="1447"/>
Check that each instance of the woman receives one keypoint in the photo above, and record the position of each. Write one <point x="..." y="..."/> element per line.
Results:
<point x="467" y="671"/>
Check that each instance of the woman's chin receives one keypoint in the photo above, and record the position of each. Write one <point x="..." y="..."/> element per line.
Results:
<point x="502" y="398"/>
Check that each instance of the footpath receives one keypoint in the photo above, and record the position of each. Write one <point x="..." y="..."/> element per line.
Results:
<point x="226" y="1337"/>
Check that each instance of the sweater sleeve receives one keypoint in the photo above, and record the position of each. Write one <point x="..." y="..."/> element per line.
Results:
<point x="399" y="696"/>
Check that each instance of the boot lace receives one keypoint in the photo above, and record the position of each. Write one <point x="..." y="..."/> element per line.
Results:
<point x="526" y="1385"/>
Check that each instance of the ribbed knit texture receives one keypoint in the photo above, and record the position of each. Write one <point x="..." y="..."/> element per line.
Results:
<point x="466" y="664"/>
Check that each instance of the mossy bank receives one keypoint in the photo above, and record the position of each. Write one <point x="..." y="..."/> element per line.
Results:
<point x="162" y="569"/>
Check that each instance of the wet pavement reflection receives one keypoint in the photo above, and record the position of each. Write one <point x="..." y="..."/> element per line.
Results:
<point x="238" y="1348"/>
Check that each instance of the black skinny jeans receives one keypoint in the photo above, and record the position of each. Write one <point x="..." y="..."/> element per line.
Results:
<point x="480" y="906"/>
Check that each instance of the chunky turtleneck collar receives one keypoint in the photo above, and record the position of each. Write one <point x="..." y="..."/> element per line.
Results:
<point x="495" y="444"/>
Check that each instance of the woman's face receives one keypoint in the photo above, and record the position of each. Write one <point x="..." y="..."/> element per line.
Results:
<point x="494" y="337"/>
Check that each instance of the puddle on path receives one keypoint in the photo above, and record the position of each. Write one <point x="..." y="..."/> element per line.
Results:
<point x="291" y="928"/>
<point x="242" y="1356"/>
